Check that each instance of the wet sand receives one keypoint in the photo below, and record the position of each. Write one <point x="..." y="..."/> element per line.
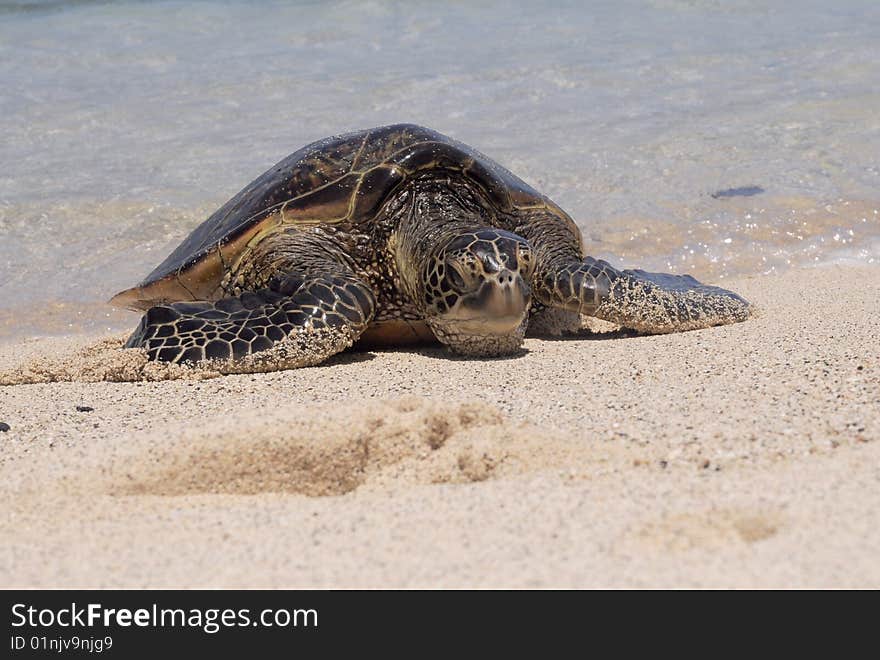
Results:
<point x="744" y="455"/>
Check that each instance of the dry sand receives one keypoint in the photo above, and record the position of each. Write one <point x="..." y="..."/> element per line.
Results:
<point x="745" y="455"/>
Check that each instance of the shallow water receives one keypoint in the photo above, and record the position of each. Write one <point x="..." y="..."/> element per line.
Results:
<point x="717" y="138"/>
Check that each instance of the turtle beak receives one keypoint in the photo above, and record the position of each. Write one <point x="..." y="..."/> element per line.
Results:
<point x="497" y="307"/>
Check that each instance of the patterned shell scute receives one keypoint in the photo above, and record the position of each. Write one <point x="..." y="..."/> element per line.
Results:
<point x="344" y="179"/>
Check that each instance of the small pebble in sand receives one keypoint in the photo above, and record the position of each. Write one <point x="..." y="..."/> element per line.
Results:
<point x="4" y="427"/>
<point x="84" y="409"/>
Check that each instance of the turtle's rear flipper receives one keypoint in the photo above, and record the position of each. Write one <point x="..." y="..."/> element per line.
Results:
<point x="295" y="322"/>
<point x="648" y="302"/>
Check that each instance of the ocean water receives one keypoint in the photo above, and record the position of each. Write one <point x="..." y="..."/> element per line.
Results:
<point x="716" y="137"/>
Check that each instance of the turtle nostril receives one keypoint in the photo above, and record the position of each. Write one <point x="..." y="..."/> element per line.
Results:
<point x="506" y="278"/>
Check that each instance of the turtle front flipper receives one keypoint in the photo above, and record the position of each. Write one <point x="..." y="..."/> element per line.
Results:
<point x="653" y="303"/>
<point x="296" y="321"/>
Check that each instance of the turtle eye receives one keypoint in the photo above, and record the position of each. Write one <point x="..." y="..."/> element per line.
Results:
<point x="524" y="256"/>
<point x="453" y="275"/>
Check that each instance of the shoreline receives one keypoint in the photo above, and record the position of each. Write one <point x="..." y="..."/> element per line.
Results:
<point x="743" y="455"/>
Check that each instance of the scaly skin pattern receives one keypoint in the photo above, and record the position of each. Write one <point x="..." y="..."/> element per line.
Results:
<point x="653" y="303"/>
<point x="397" y="227"/>
<point x="235" y="327"/>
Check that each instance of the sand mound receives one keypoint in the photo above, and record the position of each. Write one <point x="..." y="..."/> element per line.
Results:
<point x="107" y="360"/>
<point x="332" y="451"/>
<point x="708" y="529"/>
<point x="87" y="362"/>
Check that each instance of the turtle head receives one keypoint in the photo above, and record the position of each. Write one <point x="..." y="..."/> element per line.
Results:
<point x="476" y="291"/>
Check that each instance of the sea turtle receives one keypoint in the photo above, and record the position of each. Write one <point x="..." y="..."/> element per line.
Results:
<point x="392" y="235"/>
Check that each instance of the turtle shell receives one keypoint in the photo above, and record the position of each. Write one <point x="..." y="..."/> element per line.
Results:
<point x="340" y="180"/>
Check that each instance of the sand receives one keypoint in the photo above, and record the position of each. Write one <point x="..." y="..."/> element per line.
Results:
<point x="738" y="456"/>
